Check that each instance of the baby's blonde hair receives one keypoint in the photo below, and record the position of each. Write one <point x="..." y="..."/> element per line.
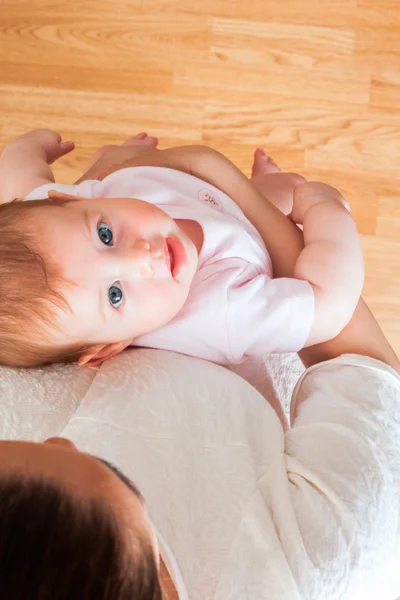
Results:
<point x="28" y="291"/>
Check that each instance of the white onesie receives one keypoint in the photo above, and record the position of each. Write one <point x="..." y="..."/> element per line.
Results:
<point x="235" y="309"/>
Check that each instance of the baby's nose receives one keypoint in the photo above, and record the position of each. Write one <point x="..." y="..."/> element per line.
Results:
<point x="142" y="258"/>
<point x="142" y="245"/>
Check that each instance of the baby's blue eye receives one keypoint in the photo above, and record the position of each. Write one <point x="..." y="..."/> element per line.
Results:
<point x="115" y="295"/>
<point x="105" y="234"/>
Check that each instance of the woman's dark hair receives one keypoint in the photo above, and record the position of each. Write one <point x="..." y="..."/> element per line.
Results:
<point x="54" y="546"/>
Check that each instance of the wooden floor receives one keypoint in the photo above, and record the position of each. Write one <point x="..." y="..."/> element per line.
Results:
<point x="316" y="82"/>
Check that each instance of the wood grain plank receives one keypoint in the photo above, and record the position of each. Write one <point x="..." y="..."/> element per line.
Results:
<point x="381" y="289"/>
<point x="337" y="13"/>
<point x="262" y="43"/>
<point x="348" y="85"/>
<point x="140" y="44"/>
<point x="385" y="91"/>
<point x="388" y="226"/>
<point x="109" y="116"/>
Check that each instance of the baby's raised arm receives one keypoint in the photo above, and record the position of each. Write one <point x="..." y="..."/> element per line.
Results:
<point x="24" y="162"/>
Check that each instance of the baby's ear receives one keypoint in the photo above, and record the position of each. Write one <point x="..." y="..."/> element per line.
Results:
<point x="55" y="195"/>
<point x="101" y="352"/>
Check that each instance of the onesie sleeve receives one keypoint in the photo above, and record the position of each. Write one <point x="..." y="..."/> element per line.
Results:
<point x="336" y="503"/>
<point x="268" y="315"/>
<point x="86" y="189"/>
<point x="118" y="185"/>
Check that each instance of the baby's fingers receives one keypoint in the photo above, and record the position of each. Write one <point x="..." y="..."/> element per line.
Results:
<point x="60" y="150"/>
<point x="66" y="147"/>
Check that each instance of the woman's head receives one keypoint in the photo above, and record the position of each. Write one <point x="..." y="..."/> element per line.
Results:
<point x="72" y="528"/>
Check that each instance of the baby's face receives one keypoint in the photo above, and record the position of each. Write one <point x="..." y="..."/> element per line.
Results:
<point x="130" y="263"/>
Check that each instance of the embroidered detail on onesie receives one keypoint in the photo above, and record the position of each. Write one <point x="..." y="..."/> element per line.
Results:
<point x="210" y="198"/>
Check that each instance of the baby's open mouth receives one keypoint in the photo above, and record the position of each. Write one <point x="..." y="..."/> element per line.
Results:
<point x="170" y="257"/>
<point x="175" y="255"/>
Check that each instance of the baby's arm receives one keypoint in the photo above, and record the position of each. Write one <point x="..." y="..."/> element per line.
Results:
<point x="24" y="162"/>
<point x="331" y="261"/>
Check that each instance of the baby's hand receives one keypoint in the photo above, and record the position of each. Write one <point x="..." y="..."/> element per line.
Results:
<point x="50" y="141"/>
<point x="113" y="157"/>
<point x="24" y="162"/>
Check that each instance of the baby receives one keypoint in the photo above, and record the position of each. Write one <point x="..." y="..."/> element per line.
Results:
<point x="172" y="249"/>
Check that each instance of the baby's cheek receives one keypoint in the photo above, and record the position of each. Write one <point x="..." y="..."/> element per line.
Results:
<point x="173" y="301"/>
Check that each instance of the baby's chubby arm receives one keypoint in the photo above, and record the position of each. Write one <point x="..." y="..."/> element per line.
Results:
<point x="331" y="260"/>
<point x="24" y="162"/>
